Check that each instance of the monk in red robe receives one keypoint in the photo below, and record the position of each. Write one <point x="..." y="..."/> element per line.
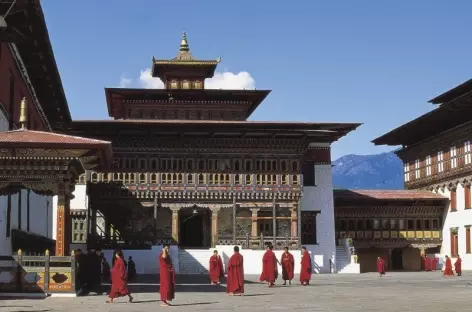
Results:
<point x="380" y="266"/>
<point x="306" y="268"/>
<point x="427" y="263"/>
<point x="458" y="266"/>
<point x="448" y="267"/>
<point x="434" y="263"/>
<point x="269" y="267"/>
<point x="167" y="277"/>
<point x="216" y="268"/>
<point x="119" y="287"/>
<point x="235" y="280"/>
<point x="288" y="266"/>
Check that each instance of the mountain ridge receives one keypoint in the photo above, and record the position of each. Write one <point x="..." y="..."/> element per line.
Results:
<point x="377" y="171"/>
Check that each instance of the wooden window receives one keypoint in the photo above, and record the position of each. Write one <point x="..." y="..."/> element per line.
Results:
<point x="467" y="156"/>
<point x="369" y="224"/>
<point x="198" y="84"/>
<point x="428" y="165"/>
<point x="294" y="166"/>
<point x="406" y="170"/>
<point x="401" y="224"/>
<point x="419" y="226"/>
<point x="453" y="155"/>
<point x="360" y="224"/>
<point x="186" y="84"/>
<point x="435" y="224"/>
<point x="174" y="84"/>
<point x="467" y="196"/>
<point x="153" y="178"/>
<point x="189" y="178"/>
<point x="453" y="197"/>
<point x="201" y="178"/>
<point x="248" y="179"/>
<point x="440" y="159"/>
<point x="308" y="228"/>
<point x="417" y="169"/>
<point x="467" y="239"/>
<point x="283" y="165"/>
<point x="454" y="242"/>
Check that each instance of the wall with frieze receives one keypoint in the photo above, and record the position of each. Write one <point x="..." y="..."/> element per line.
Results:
<point x="320" y="198"/>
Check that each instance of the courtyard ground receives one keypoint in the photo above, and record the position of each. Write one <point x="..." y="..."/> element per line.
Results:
<point x="398" y="291"/>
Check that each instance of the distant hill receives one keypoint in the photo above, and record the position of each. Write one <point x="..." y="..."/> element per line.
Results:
<point x="380" y="171"/>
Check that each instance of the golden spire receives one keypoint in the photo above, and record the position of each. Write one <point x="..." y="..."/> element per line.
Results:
<point x="23" y="116"/>
<point x="184" y="43"/>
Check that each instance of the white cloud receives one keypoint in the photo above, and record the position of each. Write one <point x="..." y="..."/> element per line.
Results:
<point x="125" y="82"/>
<point x="225" y="80"/>
<point x="148" y="82"/>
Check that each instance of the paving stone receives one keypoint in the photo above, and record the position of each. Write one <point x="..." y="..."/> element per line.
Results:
<point x="399" y="291"/>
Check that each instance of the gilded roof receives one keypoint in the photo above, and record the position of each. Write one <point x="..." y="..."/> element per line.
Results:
<point x="185" y="57"/>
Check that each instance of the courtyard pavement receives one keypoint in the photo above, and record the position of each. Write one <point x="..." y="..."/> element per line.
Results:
<point x="398" y="291"/>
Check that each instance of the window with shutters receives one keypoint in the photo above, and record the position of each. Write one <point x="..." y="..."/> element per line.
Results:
<point x="453" y="199"/>
<point x="428" y="165"/>
<point x="467" y="196"/>
<point x="467" y="157"/>
<point x="454" y="242"/>
<point x="467" y="239"/>
<point x="440" y="161"/>
<point x="453" y="154"/>
<point x="417" y="169"/>
<point x="406" y="169"/>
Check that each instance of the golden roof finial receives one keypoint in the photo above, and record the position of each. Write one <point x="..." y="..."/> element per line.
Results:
<point x="23" y="115"/>
<point x="184" y="43"/>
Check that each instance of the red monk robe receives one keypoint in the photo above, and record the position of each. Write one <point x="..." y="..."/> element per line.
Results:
<point x="380" y="266"/>
<point x="427" y="264"/>
<point x="235" y="280"/>
<point x="269" y="268"/>
<point x="288" y="266"/>
<point x="216" y="268"/>
<point x="458" y="266"/>
<point x="448" y="267"/>
<point x="167" y="278"/>
<point x="434" y="263"/>
<point x="119" y="287"/>
<point x="306" y="269"/>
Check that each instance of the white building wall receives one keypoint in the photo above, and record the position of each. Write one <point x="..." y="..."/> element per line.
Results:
<point x="459" y="219"/>
<point x="320" y="198"/>
<point x="80" y="200"/>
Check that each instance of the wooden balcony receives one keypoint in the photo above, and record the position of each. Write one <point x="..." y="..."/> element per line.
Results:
<point x="156" y="181"/>
<point x="398" y="235"/>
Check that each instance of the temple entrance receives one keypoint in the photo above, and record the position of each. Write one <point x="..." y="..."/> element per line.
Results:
<point x="194" y="225"/>
<point x="397" y="259"/>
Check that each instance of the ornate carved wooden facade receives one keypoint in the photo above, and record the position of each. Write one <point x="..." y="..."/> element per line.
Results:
<point x="389" y="219"/>
<point x="186" y="149"/>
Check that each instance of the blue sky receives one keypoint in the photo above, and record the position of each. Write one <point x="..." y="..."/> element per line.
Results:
<point x="376" y="62"/>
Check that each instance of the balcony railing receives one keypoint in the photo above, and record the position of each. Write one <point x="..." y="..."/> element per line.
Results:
<point x="239" y="180"/>
<point x="403" y="234"/>
<point x="260" y="242"/>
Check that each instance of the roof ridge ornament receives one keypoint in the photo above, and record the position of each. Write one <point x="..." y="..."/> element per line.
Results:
<point x="184" y="47"/>
<point x="23" y="114"/>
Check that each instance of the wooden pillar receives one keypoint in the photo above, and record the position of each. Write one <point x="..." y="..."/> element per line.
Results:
<point x="63" y="229"/>
<point x="254" y="228"/>
<point x="175" y="225"/>
<point x="234" y="220"/>
<point x="274" y="223"/>
<point x="93" y="224"/>
<point x="214" y="226"/>
<point x="294" y="223"/>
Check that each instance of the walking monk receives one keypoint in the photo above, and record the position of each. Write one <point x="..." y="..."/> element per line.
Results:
<point x="305" y="272"/>
<point x="434" y="263"/>
<point x="448" y="267"/>
<point x="235" y="280"/>
<point x="167" y="277"/>
<point x="427" y="263"/>
<point x="380" y="266"/>
<point x="216" y="268"/>
<point x="269" y="267"/>
<point x="288" y="266"/>
<point x="458" y="266"/>
<point x="119" y="287"/>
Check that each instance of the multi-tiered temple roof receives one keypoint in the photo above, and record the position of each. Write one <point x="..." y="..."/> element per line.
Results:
<point x="184" y="106"/>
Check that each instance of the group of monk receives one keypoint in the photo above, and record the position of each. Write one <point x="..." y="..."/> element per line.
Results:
<point x="235" y="273"/>
<point x="448" y="266"/>
<point x="430" y="265"/>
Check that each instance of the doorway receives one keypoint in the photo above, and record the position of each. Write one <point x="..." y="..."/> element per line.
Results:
<point x="397" y="259"/>
<point x="193" y="229"/>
